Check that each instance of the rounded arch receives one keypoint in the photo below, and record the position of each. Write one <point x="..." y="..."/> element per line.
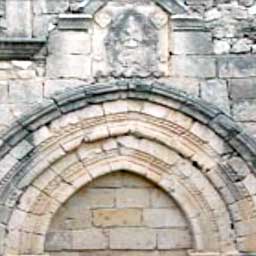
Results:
<point x="156" y="118"/>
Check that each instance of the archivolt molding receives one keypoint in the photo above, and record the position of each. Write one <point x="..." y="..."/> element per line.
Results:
<point x="211" y="230"/>
<point x="171" y="121"/>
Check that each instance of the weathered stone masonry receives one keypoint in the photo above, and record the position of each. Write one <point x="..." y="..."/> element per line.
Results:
<point x="124" y="127"/>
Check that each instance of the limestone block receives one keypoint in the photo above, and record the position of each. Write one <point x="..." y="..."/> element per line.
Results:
<point x="65" y="164"/>
<point x="250" y="184"/>
<point x="5" y="65"/>
<point x="69" y="42"/>
<point x="96" y="198"/>
<point x="17" y="219"/>
<point x="210" y="137"/>
<point x="3" y="91"/>
<point x="159" y="199"/>
<point x="20" y="12"/>
<point x="247" y="244"/>
<point x="5" y="214"/>
<point x="245" y="110"/>
<point x="42" y="24"/>
<point x="132" y="238"/>
<point x="50" y="7"/>
<point x="237" y="66"/>
<point x="133" y="197"/>
<point x="192" y="42"/>
<point x="22" y="64"/>
<point x="154" y="110"/>
<point x="60" y="85"/>
<point x="41" y="135"/>
<point x="173" y="239"/>
<point x="242" y="46"/>
<point x="91" y="111"/>
<point x="59" y="190"/>
<point x="211" y="88"/>
<point x="72" y="218"/>
<point x="58" y="241"/>
<point x="117" y="217"/>
<point x="249" y="127"/>
<point x="221" y="46"/>
<point x="239" y="167"/>
<point x="6" y="164"/>
<point x="26" y="74"/>
<point x="163" y="218"/>
<point x="25" y="91"/>
<point x="22" y="149"/>
<point x="243" y="88"/>
<point x="119" y="106"/>
<point x="189" y="85"/>
<point x="68" y="66"/>
<point x="89" y="239"/>
<point x="193" y="66"/>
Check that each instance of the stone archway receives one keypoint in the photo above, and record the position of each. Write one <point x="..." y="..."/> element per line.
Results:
<point x="189" y="149"/>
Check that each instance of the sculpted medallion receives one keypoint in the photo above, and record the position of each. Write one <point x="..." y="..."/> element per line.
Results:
<point x="132" y="45"/>
<point x="131" y="40"/>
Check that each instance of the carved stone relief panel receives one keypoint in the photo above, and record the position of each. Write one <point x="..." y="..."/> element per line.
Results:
<point x="130" y="39"/>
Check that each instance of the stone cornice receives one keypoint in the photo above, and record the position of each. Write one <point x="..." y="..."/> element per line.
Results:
<point x="20" y="48"/>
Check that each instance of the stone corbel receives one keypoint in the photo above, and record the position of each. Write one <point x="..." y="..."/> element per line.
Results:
<point x="20" y="48"/>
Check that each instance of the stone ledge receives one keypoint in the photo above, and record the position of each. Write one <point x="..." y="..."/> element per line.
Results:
<point x="20" y="48"/>
<point x="235" y="253"/>
<point x="74" y="21"/>
<point x="181" y="23"/>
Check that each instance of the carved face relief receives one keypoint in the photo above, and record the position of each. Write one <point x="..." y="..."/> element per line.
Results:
<point x="131" y="45"/>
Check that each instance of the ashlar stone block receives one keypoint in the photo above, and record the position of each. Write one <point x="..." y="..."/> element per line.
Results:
<point x="237" y="66"/>
<point x="132" y="238"/>
<point x="163" y="218"/>
<point x="68" y="66"/>
<point x="69" y="42"/>
<point x="132" y="197"/>
<point x="95" y="198"/>
<point x="117" y="217"/>
<point x="193" y="66"/>
<point x="57" y="241"/>
<point x="192" y="42"/>
<point x="173" y="239"/>
<point x="89" y="239"/>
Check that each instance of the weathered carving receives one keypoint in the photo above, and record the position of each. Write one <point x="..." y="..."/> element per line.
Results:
<point x="130" y="39"/>
<point x="132" y="45"/>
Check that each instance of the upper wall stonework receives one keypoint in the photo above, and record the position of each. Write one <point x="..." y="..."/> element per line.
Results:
<point x="203" y="48"/>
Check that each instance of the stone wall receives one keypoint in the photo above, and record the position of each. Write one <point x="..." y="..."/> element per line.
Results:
<point x="120" y="211"/>
<point x="88" y="88"/>
<point x="214" y="60"/>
